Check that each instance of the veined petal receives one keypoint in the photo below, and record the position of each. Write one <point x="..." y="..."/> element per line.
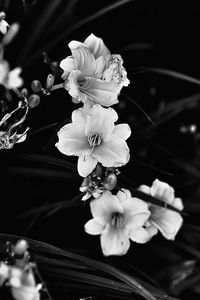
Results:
<point x="140" y="235"/>
<point x="123" y="130"/>
<point x="101" y="120"/>
<point x="72" y="86"/>
<point x="72" y="140"/>
<point x="101" y="92"/>
<point x="67" y="65"/>
<point x="14" y="80"/>
<point x="114" y="241"/>
<point x="94" y="228"/>
<point x="96" y="46"/>
<point x="103" y="207"/>
<point x="114" y="153"/>
<point x="169" y="224"/>
<point x="83" y="59"/>
<point x="86" y="164"/>
<point x="162" y="191"/>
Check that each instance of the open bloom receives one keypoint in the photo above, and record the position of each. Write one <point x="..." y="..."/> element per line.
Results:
<point x="10" y="79"/>
<point x="95" y="138"/>
<point x="118" y="219"/>
<point x="167" y="221"/>
<point x="92" y="73"/>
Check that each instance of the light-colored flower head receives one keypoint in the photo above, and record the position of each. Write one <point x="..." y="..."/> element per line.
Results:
<point x="118" y="219"/>
<point x="23" y="285"/>
<point x="92" y="73"/>
<point x="167" y="221"/>
<point x="10" y="79"/>
<point x="94" y="138"/>
<point x="3" y="24"/>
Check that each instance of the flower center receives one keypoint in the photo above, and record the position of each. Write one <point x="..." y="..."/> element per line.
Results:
<point x="117" y="220"/>
<point x="95" y="139"/>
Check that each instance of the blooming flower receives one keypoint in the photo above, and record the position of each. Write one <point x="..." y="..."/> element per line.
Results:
<point x="92" y="73"/>
<point x="118" y="219"/>
<point x="3" y="24"/>
<point x="94" y="138"/>
<point x="10" y="79"/>
<point x="167" y="221"/>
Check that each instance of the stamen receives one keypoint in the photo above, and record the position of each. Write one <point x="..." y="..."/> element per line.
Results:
<point x="117" y="220"/>
<point x="95" y="139"/>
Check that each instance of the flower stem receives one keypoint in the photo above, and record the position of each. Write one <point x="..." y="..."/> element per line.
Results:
<point x="57" y="86"/>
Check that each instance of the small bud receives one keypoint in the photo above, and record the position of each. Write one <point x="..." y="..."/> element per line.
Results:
<point x="24" y="93"/>
<point x="110" y="182"/>
<point x="33" y="100"/>
<point x="50" y="81"/>
<point x="20" y="247"/>
<point x="36" y="86"/>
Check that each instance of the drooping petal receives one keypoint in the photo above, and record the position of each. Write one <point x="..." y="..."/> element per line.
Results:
<point x="103" y="207"/>
<point x="72" y="140"/>
<point x="72" y="86"/>
<point x="93" y="227"/>
<point x="101" y="120"/>
<point x="14" y="80"/>
<point x="83" y="59"/>
<point x="162" y="191"/>
<point x="114" y="153"/>
<point x="169" y="224"/>
<point x="67" y="65"/>
<point x="86" y="164"/>
<point x="140" y="235"/>
<point x="96" y="46"/>
<point x="101" y="92"/>
<point x="123" y="130"/>
<point x="114" y="241"/>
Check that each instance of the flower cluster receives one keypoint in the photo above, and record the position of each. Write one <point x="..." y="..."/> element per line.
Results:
<point x="95" y="77"/>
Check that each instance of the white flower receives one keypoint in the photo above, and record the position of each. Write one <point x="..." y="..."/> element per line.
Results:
<point x="92" y="73"/>
<point x="94" y="138"/>
<point x="167" y="221"/>
<point x="118" y="218"/>
<point x="10" y="79"/>
<point x="3" y="24"/>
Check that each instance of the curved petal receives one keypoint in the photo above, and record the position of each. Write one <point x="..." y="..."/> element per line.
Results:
<point x="72" y="140"/>
<point x="67" y="65"/>
<point x="135" y="206"/>
<point x="123" y="194"/>
<point x="96" y="46"/>
<point x="78" y="116"/>
<point x="83" y="59"/>
<point x="123" y="130"/>
<point x="114" y="153"/>
<point x="162" y="191"/>
<point x="101" y="92"/>
<point x="100" y="67"/>
<point x="86" y="164"/>
<point x="94" y="228"/>
<point x="72" y="86"/>
<point x="114" y="241"/>
<point x="103" y="207"/>
<point x="25" y="293"/>
<point x="178" y="203"/>
<point x="140" y="235"/>
<point x="169" y="224"/>
<point x="101" y="120"/>
<point x="145" y="189"/>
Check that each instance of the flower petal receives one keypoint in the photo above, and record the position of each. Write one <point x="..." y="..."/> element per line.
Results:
<point x="72" y="140"/>
<point x="14" y="80"/>
<point x="72" y="86"/>
<point x="136" y="212"/>
<point x="124" y="194"/>
<point x="140" y="235"/>
<point x="96" y="46"/>
<point x="114" y="153"/>
<point x="145" y="189"/>
<point x="114" y="241"/>
<point x="169" y="224"/>
<point x="83" y="59"/>
<point x="101" y="92"/>
<point x="67" y="65"/>
<point x="162" y="191"/>
<point x="94" y="228"/>
<point x="101" y="120"/>
<point x="103" y="207"/>
<point x="123" y="130"/>
<point x="86" y="164"/>
<point x="100" y="67"/>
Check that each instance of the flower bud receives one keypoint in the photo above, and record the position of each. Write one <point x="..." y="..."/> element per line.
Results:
<point x="2" y="15"/>
<point x="36" y="86"/>
<point x="24" y="93"/>
<point x="33" y="100"/>
<point x="50" y="81"/>
<point x="110" y="182"/>
<point x="20" y="247"/>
